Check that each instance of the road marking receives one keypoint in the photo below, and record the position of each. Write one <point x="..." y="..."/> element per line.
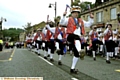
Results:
<point x="74" y="78"/>
<point x="3" y="60"/>
<point x="118" y="70"/>
<point x="13" y="53"/>
<point x="45" y="60"/>
<point x="10" y="59"/>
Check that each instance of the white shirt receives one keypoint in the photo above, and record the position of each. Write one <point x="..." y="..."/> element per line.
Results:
<point x="64" y="21"/>
<point x="39" y="38"/>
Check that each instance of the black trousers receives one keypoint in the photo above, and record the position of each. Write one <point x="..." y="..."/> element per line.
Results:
<point x="94" y="44"/>
<point x="51" y="45"/>
<point x="110" y="45"/>
<point x="46" y="47"/>
<point x="71" y="39"/>
<point x="61" y="46"/>
<point x="39" y="43"/>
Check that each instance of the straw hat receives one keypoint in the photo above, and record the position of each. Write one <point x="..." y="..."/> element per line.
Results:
<point x="39" y="29"/>
<point x="75" y="9"/>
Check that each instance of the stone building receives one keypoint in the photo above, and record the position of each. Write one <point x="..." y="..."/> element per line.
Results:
<point x="104" y="13"/>
<point x="22" y="36"/>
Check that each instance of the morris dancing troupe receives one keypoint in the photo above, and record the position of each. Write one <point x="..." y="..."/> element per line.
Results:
<point x="69" y="35"/>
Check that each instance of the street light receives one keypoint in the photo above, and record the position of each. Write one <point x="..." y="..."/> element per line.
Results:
<point x="55" y="5"/>
<point x="1" y="21"/>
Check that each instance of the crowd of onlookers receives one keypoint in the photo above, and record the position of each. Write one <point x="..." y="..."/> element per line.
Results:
<point x="18" y="44"/>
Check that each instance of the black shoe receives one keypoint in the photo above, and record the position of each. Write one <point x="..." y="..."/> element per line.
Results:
<point x="58" y="51"/>
<point x="94" y="59"/>
<point x="107" y="61"/>
<point x="48" y="55"/>
<point x="35" y="52"/>
<point x="74" y="71"/>
<point x="45" y="57"/>
<point x="51" y="60"/>
<point x="59" y="63"/>
<point x="38" y="54"/>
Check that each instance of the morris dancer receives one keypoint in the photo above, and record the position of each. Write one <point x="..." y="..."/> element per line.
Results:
<point x="75" y="28"/>
<point x="108" y="37"/>
<point x="50" y="39"/>
<point x="37" y="38"/>
<point x="28" y="40"/>
<point x="60" y="37"/>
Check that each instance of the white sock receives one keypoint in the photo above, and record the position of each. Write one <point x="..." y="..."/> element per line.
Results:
<point x="70" y="51"/>
<point x="108" y="54"/>
<point x="74" y="61"/>
<point x="51" y="56"/>
<point x="93" y="54"/>
<point x="112" y="54"/>
<point x="30" y="47"/>
<point x="101" y="47"/>
<point x="39" y="51"/>
<point x="60" y="57"/>
<point x="116" y="51"/>
<point x="49" y="51"/>
<point x="37" y="46"/>
<point x="45" y="54"/>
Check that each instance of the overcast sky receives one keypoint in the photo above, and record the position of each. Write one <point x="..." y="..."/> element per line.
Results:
<point x="19" y="12"/>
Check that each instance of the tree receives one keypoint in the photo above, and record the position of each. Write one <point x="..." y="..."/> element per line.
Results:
<point x="75" y="3"/>
<point x="98" y="2"/>
<point x="27" y="27"/>
<point x="57" y="19"/>
<point x="13" y="33"/>
<point x="83" y="5"/>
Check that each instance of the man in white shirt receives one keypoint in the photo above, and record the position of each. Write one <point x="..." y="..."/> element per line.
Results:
<point x="75" y="28"/>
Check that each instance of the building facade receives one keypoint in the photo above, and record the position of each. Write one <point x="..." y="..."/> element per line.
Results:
<point x="22" y="36"/>
<point x="104" y="13"/>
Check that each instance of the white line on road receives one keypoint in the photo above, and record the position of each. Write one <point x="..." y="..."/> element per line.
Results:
<point x="74" y="78"/>
<point x="45" y="60"/>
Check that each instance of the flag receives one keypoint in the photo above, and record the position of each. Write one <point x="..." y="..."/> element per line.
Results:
<point x="67" y="6"/>
<point x="47" y="18"/>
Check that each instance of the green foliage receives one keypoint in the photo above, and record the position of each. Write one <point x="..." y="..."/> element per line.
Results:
<point x="76" y="3"/>
<point x="57" y="19"/>
<point x="13" y="33"/>
<point x="83" y="5"/>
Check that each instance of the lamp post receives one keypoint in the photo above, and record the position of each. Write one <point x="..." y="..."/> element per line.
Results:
<point x="1" y="21"/>
<point x="55" y="5"/>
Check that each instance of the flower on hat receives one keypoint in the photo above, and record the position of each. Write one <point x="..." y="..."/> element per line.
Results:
<point x="75" y="9"/>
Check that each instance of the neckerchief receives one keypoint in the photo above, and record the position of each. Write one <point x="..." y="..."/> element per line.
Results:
<point x="77" y="24"/>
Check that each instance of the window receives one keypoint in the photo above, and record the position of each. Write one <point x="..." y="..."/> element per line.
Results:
<point x="88" y="17"/>
<point x="113" y="13"/>
<point x="99" y="16"/>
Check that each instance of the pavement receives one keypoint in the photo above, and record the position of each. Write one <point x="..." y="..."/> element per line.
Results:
<point x="5" y="54"/>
